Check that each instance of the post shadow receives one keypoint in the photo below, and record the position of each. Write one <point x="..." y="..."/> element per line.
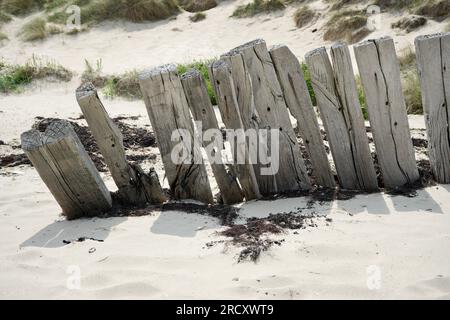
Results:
<point x="61" y="233"/>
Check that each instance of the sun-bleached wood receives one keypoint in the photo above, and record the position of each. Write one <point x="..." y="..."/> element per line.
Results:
<point x="168" y="111"/>
<point x="65" y="167"/>
<point x="203" y="112"/>
<point x="222" y="82"/>
<point x="380" y="76"/>
<point x="347" y="93"/>
<point x="335" y="112"/>
<point x="433" y="61"/>
<point x="299" y="103"/>
<point x="128" y="178"/>
<point x="262" y="106"/>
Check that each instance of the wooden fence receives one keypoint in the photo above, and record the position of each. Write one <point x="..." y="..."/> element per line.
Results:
<point x="259" y="89"/>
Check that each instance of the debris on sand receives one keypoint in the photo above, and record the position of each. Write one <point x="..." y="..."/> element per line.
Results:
<point x="253" y="235"/>
<point x="134" y="138"/>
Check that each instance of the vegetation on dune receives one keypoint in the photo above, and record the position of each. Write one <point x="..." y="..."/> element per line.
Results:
<point x="21" y="7"/>
<point x="197" y="5"/>
<point x="409" y="23"/>
<point x="4" y="17"/>
<point x="14" y="77"/>
<point x="348" y="25"/>
<point x="410" y="81"/>
<point x="202" y="66"/>
<point x="96" y="11"/>
<point x="197" y="17"/>
<point x="435" y="9"/>
<point x="303" y="15"/>
<point x="3" y="36"/>
<point x="256" y="7"/>
<point x="35" y="29"/>
<point x="339" y="4"/>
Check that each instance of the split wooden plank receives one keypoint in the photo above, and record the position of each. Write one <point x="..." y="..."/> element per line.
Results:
<point x="203" y="112"/>
<point x="336" y="113"/>
<point x="169" y="115"/>
<point x="433" y="61"/>
<point x="128" y="178"/>
<point x="220" y="75"/>
<point x="262" y="107"/>
<point x="347" y="93"/>
<point x="299" y="103"/>
<point x="66" y="169"/>
<point x="380" y="76"/>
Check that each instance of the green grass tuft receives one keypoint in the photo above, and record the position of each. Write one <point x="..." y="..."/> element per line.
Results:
<point x="14" y="77"/>
<point x="348" y="25"/>
<point x="202" y="66"/>
<point x="256" y="7"/>
<point x="21" y="7"/>
<point x="197" y="5"/>
<point x="199" y="16"/>
<point x="3" y="36"/>
<point x="35" y="29"/>
<point x="303" y="16"/>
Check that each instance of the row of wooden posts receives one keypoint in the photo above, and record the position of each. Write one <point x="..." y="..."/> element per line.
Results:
<point x="257" y="89"/>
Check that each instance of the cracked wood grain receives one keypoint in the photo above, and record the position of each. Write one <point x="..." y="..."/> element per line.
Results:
<point x="262" y="106"/>
<point x="66" y="169"/>
<point x="433" y="62"/>
<point x="198" y="100"/>
<point x="299" y="103"/>
<point x="168" y="111"/>
<point x="129" y="179"/>
<point x="380" y="76"/>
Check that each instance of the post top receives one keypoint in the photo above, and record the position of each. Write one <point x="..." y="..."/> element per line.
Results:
<point x="163" y="69"/>
<point x="85" y="89"/>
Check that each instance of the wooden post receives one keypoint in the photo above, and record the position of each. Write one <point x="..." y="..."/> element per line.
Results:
<point x="180" y="150"/>
<point x="66" y="169"/>
<point x="262" y="106"/>
<point x="299" y="103"/>
<point x="202" y="110"/>
<point x="129" y="179"/>
<point x="347" y="151"/>
<point x="347" y="93"/>
<point x="433" y="61"/>
<point x="220" y="75"/>
<point x="380" y="76"/>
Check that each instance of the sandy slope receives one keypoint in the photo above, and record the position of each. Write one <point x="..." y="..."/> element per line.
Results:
<point x="165" y="255"/>
<point x="124" y="46"/>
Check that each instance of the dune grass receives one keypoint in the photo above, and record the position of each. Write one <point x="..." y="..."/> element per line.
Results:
<point x="197" y="5"/>
<point x="96" y="11"/>
<point x="3" y="36"/>
<point x="4" y="18"/>
<point x="14" y="77"/>
<point x="435" y="9"/>
<point x="348" y="25"/>
<point x="303" y="15"/>
<point x="35" y="29"/>
<point x="199" y="16"/>
<point x="256" y="7"/>
<point x="21" y="7"/>
<point x="410" y="81"/>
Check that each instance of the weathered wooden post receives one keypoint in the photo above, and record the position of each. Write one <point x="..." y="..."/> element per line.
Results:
<point x="433" y="61"/>
<point x="350" y="152"/>
<point x="170" y="118"/>
<point x="135" y="187"/>
<point x="262" y="107"/>
<point x="347" y="93"/>
<point x="220" y="75"/>
<point x="380" y="76"/>
<point x="299" y="103"/>
<point x="66" y="169"/>
<point x="202" y="110"/>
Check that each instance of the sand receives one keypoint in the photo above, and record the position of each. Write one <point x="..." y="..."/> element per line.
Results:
<point x="372" y="246"/>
